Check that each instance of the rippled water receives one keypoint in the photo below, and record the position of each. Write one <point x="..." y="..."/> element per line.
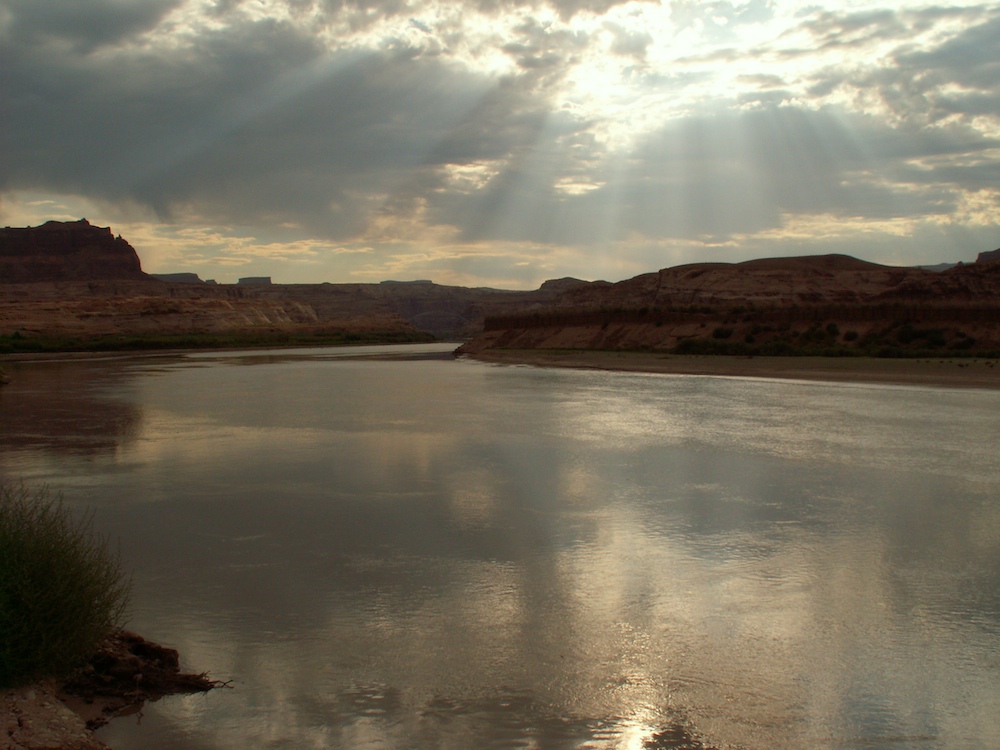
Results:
<point x="382" y="548"/>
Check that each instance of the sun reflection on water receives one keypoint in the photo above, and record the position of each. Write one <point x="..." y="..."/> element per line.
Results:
<point x="565" y="560"/>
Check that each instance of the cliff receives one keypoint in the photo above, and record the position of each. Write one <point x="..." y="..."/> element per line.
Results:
<point x="77" y="281"/>
<point x="65" y="251"/>
<point x="822" y="305"/>
<point x="72" y="279"/>
<point x="74" y="282"/>
<point x="109" y="310"/>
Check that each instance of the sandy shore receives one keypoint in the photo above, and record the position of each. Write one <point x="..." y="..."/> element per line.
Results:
<point x="943" y="372"/>
<point x="35" y="718"/>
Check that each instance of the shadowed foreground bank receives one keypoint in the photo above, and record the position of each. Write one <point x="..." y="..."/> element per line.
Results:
<point x="66" y="665"/>
<point x="126" y="672"/>
<point x="950" y="373"/>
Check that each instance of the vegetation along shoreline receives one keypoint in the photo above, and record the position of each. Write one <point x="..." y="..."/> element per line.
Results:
<point x="67" y="666"/>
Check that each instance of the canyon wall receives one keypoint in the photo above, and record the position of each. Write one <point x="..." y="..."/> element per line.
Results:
<point x="65" y="251"/>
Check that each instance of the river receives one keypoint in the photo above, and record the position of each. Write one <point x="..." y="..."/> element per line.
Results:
<point x="383" y="547"/>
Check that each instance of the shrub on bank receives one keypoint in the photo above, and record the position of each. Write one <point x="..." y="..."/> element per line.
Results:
<point x="62" y="589"/>
<point x="16" y="343"/>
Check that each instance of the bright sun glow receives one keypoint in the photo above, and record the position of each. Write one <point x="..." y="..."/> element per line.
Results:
<point x="503" y="143"/>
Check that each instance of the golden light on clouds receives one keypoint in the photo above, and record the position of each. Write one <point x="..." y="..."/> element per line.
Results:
<point x="290" y="137"/>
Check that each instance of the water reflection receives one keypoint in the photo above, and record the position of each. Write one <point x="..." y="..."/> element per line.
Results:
<point x="67" y="408"/>
<point x="449" y="555"/>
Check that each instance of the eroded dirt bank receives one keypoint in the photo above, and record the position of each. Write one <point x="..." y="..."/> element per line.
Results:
<point x="125" y="673"/>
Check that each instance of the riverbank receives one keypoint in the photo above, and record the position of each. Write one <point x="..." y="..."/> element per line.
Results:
<point x="939" y="372"/>
<point x="19" y="345"/>
<point x="125" y="673"/>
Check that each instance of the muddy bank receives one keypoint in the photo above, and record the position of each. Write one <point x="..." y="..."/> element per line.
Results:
<point x="125" y="673"/>
<point x="941" y="372"/>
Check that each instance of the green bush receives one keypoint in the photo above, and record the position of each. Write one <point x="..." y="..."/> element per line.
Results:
<point x="61" y="588"/>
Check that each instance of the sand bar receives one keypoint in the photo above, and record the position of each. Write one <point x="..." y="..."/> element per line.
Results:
<point x="938" y="372"/>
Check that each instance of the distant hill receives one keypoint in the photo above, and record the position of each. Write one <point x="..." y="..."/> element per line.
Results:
<point x="984" y="257"/>
<point x="178" y="278"/>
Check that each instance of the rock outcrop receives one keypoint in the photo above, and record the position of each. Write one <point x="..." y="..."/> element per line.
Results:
<point x="126" y="672"/>
<point x="821" y="305"/>
<point x="65" y="251"/>
<point x="75" y="280"/>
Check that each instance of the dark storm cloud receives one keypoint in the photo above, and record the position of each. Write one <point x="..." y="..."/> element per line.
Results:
<point x="255" y="121"/>
<point x="108" y="123"/>
<point x="86" y="24"/>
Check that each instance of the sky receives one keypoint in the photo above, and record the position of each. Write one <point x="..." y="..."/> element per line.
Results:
<point x="503" y="142"/>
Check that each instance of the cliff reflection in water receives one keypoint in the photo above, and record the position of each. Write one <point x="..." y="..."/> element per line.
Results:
<point x="450" y="555"/>
<point x="68" y="407"/>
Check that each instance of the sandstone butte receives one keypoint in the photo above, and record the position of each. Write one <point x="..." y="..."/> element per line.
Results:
<point x="72" y="279"/>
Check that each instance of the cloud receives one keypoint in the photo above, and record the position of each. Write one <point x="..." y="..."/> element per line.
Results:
<point x="564" y="127"/>
<point x="273" y="128"/>
<point x="86" y="26"/>
<point x="730" y="172"/>
<point x="832" y="29"/>
<point x="719" y="20"/>
<point x="963" y="73"/>
<point x="918" y="66"/>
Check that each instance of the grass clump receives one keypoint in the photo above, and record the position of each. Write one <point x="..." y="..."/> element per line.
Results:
<point x="62" y="589"/>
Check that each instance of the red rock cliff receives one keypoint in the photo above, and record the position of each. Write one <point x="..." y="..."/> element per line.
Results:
<point x="65" y="251"/>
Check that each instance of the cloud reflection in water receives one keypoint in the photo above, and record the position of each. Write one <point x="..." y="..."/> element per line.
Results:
<point x="557" y="559"/>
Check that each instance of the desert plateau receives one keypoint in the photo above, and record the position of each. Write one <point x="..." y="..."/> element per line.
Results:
<point x="73" y="286"/>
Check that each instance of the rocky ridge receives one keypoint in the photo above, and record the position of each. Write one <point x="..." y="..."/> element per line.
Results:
<point x="824" y="305"/>
<point x="75" y="280"/>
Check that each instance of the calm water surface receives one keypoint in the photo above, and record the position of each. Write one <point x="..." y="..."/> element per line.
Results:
<point x="381" y="548"/>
